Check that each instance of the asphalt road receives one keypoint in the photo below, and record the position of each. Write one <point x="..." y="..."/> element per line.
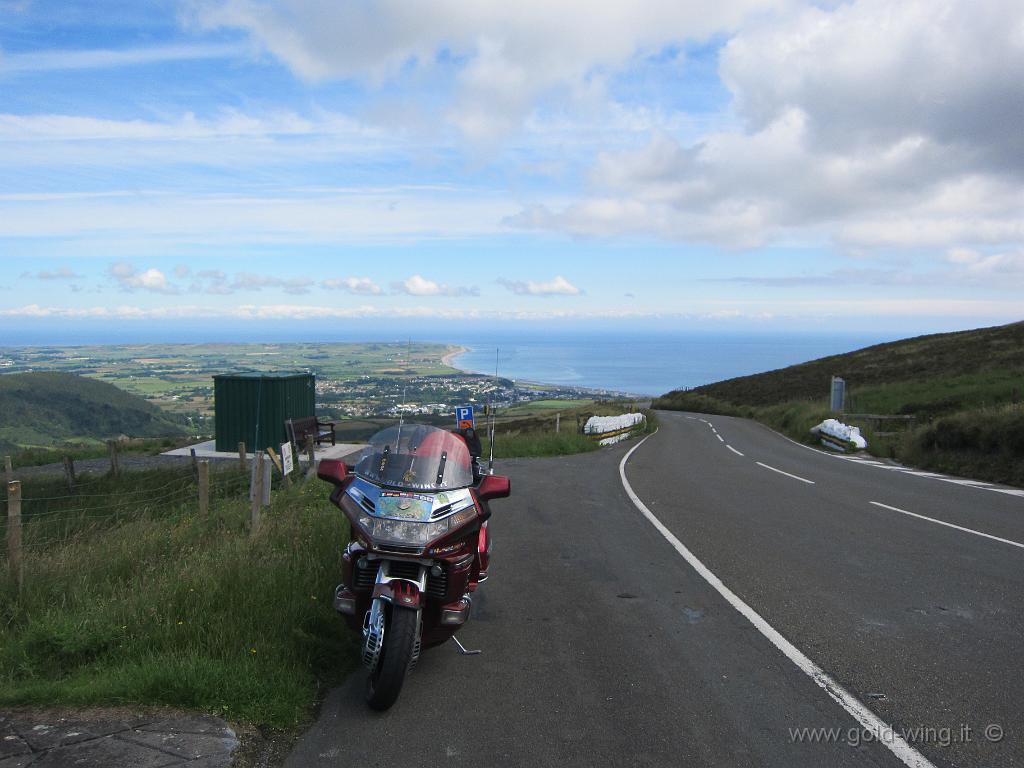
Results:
<point x="604" y="646"/>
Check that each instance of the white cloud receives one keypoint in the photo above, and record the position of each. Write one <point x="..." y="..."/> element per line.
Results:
<point x="131" y="279"/>
<point x="866" y="123"/>
<point x="417" y="285"/>
<point x="355" y="285"/>
<point x="559" y="286"/>
<point x="506" y="55"/>
<point x="997" y="269"/>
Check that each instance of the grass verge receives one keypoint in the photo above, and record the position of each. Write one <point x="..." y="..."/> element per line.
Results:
<point x="131" y="599"/>
<point x="536" y="437"/>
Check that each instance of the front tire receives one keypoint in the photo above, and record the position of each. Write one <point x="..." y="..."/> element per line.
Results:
<point x="385" y="682"/>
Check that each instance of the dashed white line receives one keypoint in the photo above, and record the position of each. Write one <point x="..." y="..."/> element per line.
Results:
<point x="948" y="525"/>
<point x="787" y="474"/>
<point x="882" y="732"/>
<point x="733" y="450"/>
<point x="719" y="437"/>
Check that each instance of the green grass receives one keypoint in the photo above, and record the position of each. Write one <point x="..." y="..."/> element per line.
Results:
<point x="538" y="444"/>
<point x="132" y="599"/>
<point x="542" y="406"/>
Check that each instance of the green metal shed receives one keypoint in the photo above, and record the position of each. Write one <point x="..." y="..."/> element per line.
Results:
<point x="253" y="407"/>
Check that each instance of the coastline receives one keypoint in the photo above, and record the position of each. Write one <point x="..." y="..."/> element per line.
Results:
<point x="449" y="358"/>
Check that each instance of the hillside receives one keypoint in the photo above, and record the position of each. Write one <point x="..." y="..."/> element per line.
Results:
<point x="960" y="395"/>
<point x="983" y="354"/>
<point x="40" y="409"/>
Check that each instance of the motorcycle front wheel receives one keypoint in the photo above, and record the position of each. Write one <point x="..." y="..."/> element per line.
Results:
<point x="385" y="682"/>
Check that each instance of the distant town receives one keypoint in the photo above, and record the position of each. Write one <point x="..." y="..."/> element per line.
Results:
<point x="352" y="380"/>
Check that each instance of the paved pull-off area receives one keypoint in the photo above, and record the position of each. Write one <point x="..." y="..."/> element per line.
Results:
<point x="113" y="742"/>
<point x="719" y="595"/>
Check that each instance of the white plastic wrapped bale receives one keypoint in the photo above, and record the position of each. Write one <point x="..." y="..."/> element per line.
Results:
<point x="601" y="425"/>
<point x="614" y="440"/>
<point x="836" y="429"/>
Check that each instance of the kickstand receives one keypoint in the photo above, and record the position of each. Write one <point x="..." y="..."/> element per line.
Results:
<point x="462" y="648"/>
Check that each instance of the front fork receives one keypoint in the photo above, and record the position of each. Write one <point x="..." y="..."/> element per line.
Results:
<point x="388" y="594"/>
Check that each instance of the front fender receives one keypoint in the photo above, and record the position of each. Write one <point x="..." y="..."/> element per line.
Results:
<point x="405" y="594"/>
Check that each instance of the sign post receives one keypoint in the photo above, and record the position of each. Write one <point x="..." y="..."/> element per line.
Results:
<point x="465" y="418"/>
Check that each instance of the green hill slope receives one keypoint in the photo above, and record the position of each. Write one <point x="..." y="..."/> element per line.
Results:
<point x="40" y="409"/>
<point x="963" y="391"/>
<point x="982" y="356"/>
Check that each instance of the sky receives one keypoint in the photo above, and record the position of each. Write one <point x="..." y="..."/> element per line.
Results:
<point x="748" y="164"/>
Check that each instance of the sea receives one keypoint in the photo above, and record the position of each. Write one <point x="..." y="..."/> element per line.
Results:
<point x="648" y="363"/>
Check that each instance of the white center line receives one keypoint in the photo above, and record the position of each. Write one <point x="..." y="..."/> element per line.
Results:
<point x="719" y="437"/>
<point x="883" y="733"/>
<point x="787" y="474"/>
<point x="734" y="450"/>
<point x="948" y="525"/>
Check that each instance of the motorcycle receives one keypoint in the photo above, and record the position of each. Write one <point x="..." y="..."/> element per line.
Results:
<point x="418" y="503"/>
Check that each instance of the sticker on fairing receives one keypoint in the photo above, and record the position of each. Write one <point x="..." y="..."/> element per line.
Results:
<point x="405" y="506"/>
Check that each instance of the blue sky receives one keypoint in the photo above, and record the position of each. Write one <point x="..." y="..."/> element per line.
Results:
<point x="765" y="164"/>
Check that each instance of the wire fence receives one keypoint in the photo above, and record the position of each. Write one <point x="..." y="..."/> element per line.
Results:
<point x="42" y="514"/>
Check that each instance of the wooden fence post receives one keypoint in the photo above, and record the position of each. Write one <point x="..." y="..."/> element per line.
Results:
<point x="69" y="473"/>
<point x="204" y="488"/>
<point x="311" y="455"/>
<point x="256" y="492"/>
<point x="14" y="532"/>
<point x="115" y="464"/>
<point x="241" y="456"/>
<point x="8" y="468"/>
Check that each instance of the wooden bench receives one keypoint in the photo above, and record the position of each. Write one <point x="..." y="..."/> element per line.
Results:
<point x="301" y="430"/>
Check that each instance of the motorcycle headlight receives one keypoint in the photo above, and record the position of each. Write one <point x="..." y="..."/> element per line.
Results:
<point x="411" y="533"/>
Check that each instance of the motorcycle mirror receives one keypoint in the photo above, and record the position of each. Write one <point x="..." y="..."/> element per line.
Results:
<point x="332" y="471"/>
<point x="494" y="487"/>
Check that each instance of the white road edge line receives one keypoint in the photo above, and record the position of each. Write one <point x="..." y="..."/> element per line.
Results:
<point x="882" y="732"/>
<point x="795" y="477"/>
<point x="948" y="525"/>
<point x="733" y="450"/>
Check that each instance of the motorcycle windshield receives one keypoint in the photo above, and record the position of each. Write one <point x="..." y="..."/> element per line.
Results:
<point x="416" y="457"/>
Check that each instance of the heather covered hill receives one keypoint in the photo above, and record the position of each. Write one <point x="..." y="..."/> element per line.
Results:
<point x="40" y="409"/>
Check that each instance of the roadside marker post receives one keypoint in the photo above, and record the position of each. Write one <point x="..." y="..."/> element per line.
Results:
<point x="241" y="456"/>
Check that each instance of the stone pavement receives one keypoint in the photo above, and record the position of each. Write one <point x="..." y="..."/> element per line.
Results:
<point x="189" y="741"/>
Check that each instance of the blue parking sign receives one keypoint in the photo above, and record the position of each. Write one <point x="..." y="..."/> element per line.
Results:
<point x="464" y="417"/>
